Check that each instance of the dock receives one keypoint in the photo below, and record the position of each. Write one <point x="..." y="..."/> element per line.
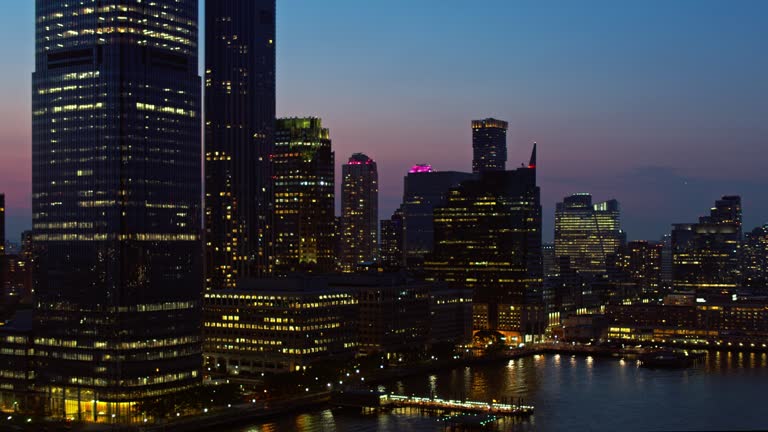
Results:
<point x="369" y="400"/>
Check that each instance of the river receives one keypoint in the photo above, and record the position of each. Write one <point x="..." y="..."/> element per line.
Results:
<point x="723" y="392"/>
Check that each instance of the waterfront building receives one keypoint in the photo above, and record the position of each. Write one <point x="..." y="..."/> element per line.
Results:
<point x="391" y="253"/>
<point x="397" y="314"/>
<point x="278" y="325"/>
<point x="239" y="139"/>
<point x="754" y="258"/>
<point x="359" y="212"/>
<point x="705" y="255"/>
<point x="489" y="145"/>
<point x="303" y="165"/>
<point x="587" y="233"/>
<point x="424" y="189"/>
<point x="116" y="203"/>
<point x="488" y="239"/>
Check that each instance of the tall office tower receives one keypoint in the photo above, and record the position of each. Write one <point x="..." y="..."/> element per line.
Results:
<point x="488" y="238"/>
<point x="116" y="176"/>
<point x="489" y="145"/>
<point x="424" y="189"/>
<point x="239" y="137"/>
<point x="705" y="255"/>
<point x="391" y="252"/>
<point x="754" y="258"/>
<point x="641" y="262"/>
<point x="305" y="228"/>
<point x="359" y="212"/>
<point x="587" y="233"/>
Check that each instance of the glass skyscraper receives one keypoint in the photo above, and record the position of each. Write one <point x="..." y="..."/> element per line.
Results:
<point x="489" y="145"/>
<point x="116" y="204"/>
<point x="305" y="222"/>
<point x="488" y="238"/>
<point x="239" y="139"/>
<point x="360" y="212"/>
<point x="587" y="233"/>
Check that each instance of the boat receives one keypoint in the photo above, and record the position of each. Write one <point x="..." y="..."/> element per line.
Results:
<point x="666" y="359"/>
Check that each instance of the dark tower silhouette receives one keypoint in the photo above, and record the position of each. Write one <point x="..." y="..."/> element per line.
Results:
<point x="239" y="139"/>
<point x="116" y="180"/>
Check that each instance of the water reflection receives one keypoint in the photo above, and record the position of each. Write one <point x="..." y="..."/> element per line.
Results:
<point x="724" y="391"/>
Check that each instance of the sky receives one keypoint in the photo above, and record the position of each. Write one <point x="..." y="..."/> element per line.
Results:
<point x="660" y="104"/>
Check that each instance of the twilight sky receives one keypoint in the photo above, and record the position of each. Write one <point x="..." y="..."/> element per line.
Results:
<point x="660" y="104"/>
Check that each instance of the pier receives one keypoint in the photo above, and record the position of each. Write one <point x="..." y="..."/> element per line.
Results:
<point x="368" y="400"/>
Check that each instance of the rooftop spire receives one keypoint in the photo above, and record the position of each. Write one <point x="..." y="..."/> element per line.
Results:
<point x="532" y="163"/>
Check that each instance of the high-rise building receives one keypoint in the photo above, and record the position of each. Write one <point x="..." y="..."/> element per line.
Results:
<point x="488" y="238"/>
<point x="587" y="233"/>
<point x="391" y="253"/>
<point x="754" y="261"/>
<point x="424" y="189"/>
<point x="641" y="263"/>
<point x="303" y="165"/>
<point x="239" y="139"/>
<point x="116" y="177"/>
<point x="489" y="145"/>
<point x="359" y="212"/>
<point x="705" y="255"/>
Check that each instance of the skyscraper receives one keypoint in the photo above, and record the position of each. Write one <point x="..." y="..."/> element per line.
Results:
<point x="489" y="145"/>
<point x="239" y="138"/>
<point x="360" y="212"/>
<point x="391" y="252"/>
<point x="488" y="238"/>
<point x="754" y="258"/>
<point x="303" y="164"/>
<point x="116" y="204"/>
<point x="705" y="255"/>
<point x="423" y="190"/>
<point x="587" y="233"/>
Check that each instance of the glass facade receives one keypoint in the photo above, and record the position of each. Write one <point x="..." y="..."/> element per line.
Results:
<point x="2" y="228"/>
<point x="305" y="223"/>
<point x="489" y="145"/>
<point x="706" y="255"/>
<point x="488" y="238"/>
<point x="116" y="203"/>
<point x="278" y="325"/>
<point x="587" y="233"/>
<point x="239" y="138"/>
<point x="360" y="212"/>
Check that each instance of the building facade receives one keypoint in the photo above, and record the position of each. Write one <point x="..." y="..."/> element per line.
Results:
<point x="359" y="212"/>
<point x="754" y="258"/>
<point x="303" y="165"/>
<point x="239" y="139"/>
<point x="391" y="247"/>
<point x="424" y="189"/>
<point x="587" y="233"/>
<point x="706" y="255"/>
<point x="278" y="325"/>
<point x="489" y="145"/>
<point x="116" y="175"/>
<point x="488" y="239"/>
<point x="2" y="226"/>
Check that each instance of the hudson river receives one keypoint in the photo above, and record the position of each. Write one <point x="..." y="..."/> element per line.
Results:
<point x="727" y="391"/>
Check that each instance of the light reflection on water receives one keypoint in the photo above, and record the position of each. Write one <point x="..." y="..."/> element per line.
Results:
<point x="576" y="393"/>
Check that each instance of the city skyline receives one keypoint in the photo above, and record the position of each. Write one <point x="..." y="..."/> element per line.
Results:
<point x="652" y="110"/>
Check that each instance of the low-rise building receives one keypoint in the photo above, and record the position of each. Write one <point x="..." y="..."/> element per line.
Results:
<point x="278" y="325"/>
